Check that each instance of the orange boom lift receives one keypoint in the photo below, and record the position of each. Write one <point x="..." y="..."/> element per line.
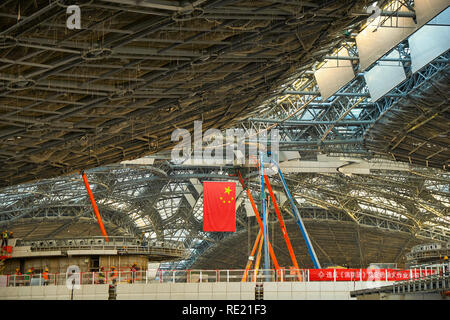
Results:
<point x="258" y="218"/>
<point x="283" y="227"/>
<point x="280" y="220"/>
<point x="94" y="206"/>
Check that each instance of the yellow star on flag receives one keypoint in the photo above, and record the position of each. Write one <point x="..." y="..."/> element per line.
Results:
<point x="227" y="190"/>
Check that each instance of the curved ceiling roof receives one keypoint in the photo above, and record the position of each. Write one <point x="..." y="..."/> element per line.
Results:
<point x="218" y="65"/>
<point x="117" y="88"/>
<point x="413" y="204"/>
<point x="417" y="128"/>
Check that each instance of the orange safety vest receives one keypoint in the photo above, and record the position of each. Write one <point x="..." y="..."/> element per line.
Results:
<point x="114" y="274"/>
<point x="45" y="275"/>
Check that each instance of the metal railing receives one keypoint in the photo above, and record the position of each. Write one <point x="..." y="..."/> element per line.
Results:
<point x="123" y="245"/>
<point x="431" y="283"/>
<point x="95" y="242"/>
<point x="200" y="276"/>
<point x="437" y="253"/>
<point x="82" y="278"/>
<point x="423" y="283"/>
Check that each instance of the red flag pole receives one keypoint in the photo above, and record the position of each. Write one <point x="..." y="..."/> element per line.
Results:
<point x="94" y="206"/>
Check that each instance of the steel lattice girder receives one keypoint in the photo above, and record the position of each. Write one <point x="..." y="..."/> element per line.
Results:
<point x="137" y="200"/>
<point x="347" y="121"/>
<point x="154" y="68"/>
<point x="415" y="203"/>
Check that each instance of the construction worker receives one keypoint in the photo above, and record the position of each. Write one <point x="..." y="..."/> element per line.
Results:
<point x="144" y="239"/>
<point x="17" y="276"/>
<point x="45" y="276"/>
<point x="4" y="239"/>
<point x="10" y="236"/>
<point x="101" y="276"/>
<point x="113" y="275"/>
<point x="28" y="277"/>
<point x="133" y="272"/>
<point x="447" y="264"/>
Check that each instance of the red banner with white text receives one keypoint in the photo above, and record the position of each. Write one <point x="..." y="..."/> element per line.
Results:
<point x="366" y="274"/>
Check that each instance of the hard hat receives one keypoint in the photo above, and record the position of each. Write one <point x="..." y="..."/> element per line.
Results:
<point x="445" y="258"/>
<point x="46" y="269"/>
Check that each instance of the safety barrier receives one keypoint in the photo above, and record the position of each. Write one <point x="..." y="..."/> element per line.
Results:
<point x="231" y="275"/>
<point x="423" y="284"/>
<point x="437" y="282"/>
<point x="80" y="278"/>
<point x="98" y="242"/>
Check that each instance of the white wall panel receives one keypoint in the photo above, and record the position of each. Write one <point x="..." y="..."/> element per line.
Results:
<point x="383" y="77"/>
<point x="334" y="74"/>
<point x="428" y="43"/>
<point x="372" y="45"/>
<point x="298" y="295"/>
<point x="428" y="9"/>
<point x="206" y="291"/>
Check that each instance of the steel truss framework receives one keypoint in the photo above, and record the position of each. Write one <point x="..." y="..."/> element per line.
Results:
<point x="410" y="123"/>
<point x="165" y="200"/>
<point x="153" y="200"/>
<point x="114" y="90"/>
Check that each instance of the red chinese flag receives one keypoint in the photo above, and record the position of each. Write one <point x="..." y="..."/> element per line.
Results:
<point x="219" y="206"/>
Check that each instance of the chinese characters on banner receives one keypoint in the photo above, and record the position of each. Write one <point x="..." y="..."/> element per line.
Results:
<point x="366" y="274"/>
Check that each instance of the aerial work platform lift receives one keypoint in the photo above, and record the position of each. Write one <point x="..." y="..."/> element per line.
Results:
<point x="5" y="254"/>
<point x="262" y="235"/>
<point x="94" y="205"/>
<point x="298" y="219"/>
